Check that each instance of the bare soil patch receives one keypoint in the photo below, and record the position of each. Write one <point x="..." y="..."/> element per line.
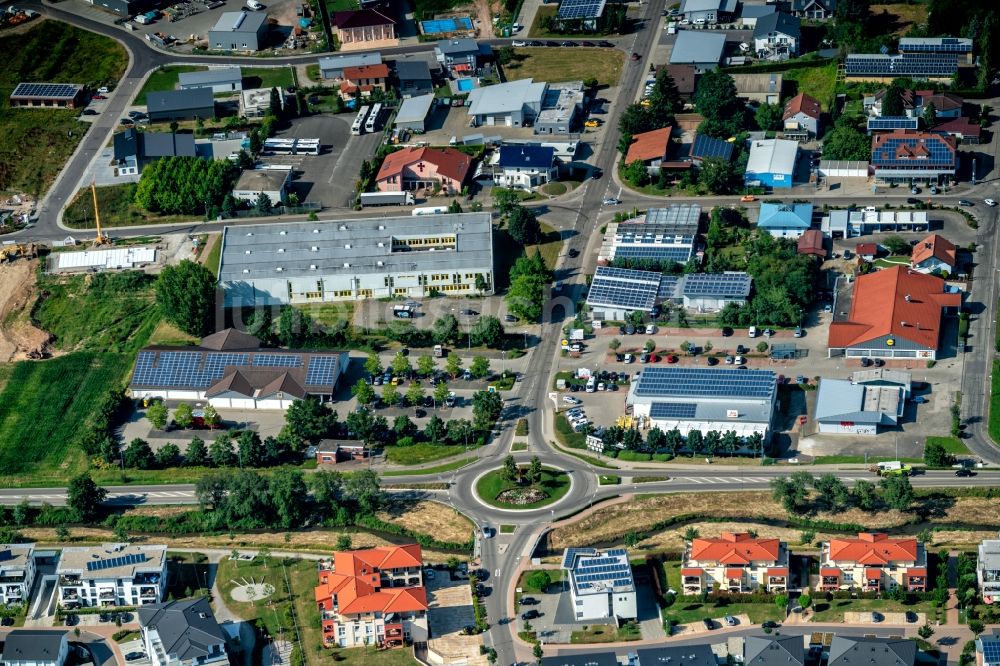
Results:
<point x="425" y="517"/>
<point x="18" y="336"/>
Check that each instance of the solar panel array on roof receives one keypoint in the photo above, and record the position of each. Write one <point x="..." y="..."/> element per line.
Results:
<point x="202" y="369"/>
<point x="601" y="569"/>
<point x="706" y="382"/>
<point x="727" y="285"/>
<point x="580" y="9"/>
<point x="991" y="650"/>
<point x="622" y="287"/>
<point x="681" y="218"/>
<point x="660" y="253"/>
<point x="569" y="556"/>
<point x="113" y="562"/>
<point x="50" y="90"/>
<point x="706" y="147"/>
<point x="904" y="64"/>
<point x="892" y="123"/>
<point x="672" y="410"/>
<point x="887" y="153"/>
<point x="277" y="361"/>
<point x="320" y="372"/>
<point x="939" y="45"/>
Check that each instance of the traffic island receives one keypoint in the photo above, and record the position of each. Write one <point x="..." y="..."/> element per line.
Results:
<point x="516" y="489"/>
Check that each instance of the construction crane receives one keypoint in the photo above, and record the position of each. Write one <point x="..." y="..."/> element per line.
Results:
<point x="101" y="239"/>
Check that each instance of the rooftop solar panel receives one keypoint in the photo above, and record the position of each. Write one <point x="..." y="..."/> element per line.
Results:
<point x="623" y="287"/>
<point x="914" y="64"/>
<point x="655" y="252"/>
<point x="706" y="147"/>
<point x="672" y="410"/>
<point x="706" y="382"/>
<point x="892" y="122"/>
<point x="51" y="90"/>
<point x="923" y="151"/>
<point x="113" y="562"/>
<point x="731" y="285"/>
<point x="321" y="370"/>
<point x="580" y="9"/>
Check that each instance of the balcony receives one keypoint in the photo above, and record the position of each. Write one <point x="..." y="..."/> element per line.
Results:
<point x="873" y="584"/>
<point x="830" y="582"/>
<point x="777" y="583"/>
<point x="148" y="593"/>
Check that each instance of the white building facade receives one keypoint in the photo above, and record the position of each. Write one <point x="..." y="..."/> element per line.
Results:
<point x="600" y="583"/>
<point x="112" y="575"/>
<point x="17" y="572"/>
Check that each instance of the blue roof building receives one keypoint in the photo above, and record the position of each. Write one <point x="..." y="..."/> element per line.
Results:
<point x="526" y="166"/>
<point x="771" y="163"/>
<point x="785" y="220"/>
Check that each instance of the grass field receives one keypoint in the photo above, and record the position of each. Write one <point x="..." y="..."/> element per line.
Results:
<point x="314" y="73"/>
<point x="37" y="143"/>
<point x="437" y="469"/>
<point x="214" y="256"/>
<point x="429" y="517"/>
<point x="819" y="82"/>
<point x="164" y="78"/>
<point x="419" y="454"/>
<point x="550" y="246"/>
<point x="833" y="611"/>
<point x="554" y="484"/>
<point x="117" y="209"/>
<point x="268" y="77"/>
<point x="554" y="65"/>
<point x="41" y="411"/>
<point x="900" y="17"/>
<point x="113" y="312"/>
<point x="860" y="460"/>
<point x="605" y="633"/>
<point x="994" y="422"/>
<point x="952" y="445"/>
<point x="889" y="262"/>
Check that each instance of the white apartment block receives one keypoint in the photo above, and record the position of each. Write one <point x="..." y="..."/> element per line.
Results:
<point x="115" y="574"/>
<point x="600" y="584"/>
<point x="17" y="572"/>
<point x="988" y="570"/>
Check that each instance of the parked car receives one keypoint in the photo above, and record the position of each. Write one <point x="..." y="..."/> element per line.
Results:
<point x="568" y="43"/>
<point x="509" y="318"/>
<point x="643" y="358"/>
<point x="730" y="360"/>
<point x="519" y="43"/>
<point x="629" y="329"/>
<point x="636" y="56"/>
<point x="989" y="202"/>
<point x="470" y="313"/>
<point x="712" y="360"/>
<point x="877" y="617"/>
<point x="7" y="621"/>
<point x="628" y="358"/>
<point x="747" y="198"/>
<point x="709" y="624"/>
<point x="964" y="471"/>
<point x="671" y="358"/>
<point x="573" y="252"/>
<point x="965" y="202"/>
<point x="730" y="621"/>
<point x="530" y="614"/>
<point x="911" y="616"/>
<point x="529" y="601"/>
<point x="611" y="201"/>
<point x="90" y="112"/>
<point x="913" y="201"/>
<point x="134" y="656"/>
<point x="606" y="45"/>
<point x="571" y="400"/>
<point x="769" y="624"/>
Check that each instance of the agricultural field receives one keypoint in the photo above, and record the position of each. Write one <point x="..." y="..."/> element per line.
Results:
<point x="37" y="143"/>
<point x="41" y="409"/>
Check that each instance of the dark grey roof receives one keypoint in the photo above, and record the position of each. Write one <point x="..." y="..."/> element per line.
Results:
<point x="126" y="144"/>
<point x="773" y="651"/>
<point x="457" y="46"/>
<point x="167" y="144"/>
<point x="179" y="100"/>
<point x="779" y="22"/>
<point x="186" y="627"/>
<point x="802" y="5"/>
<point x="756" y="11"/>
<point x="32" y="645"/>
<point x="851" y="651"/>
<point x="413" y="70"/>
<point x="682" y="655"/>
<point x="582" y="659"/>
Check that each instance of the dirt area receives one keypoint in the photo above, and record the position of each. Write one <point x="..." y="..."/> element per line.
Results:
<point x="900" y="18"/>
<point x="18" y="336"/>
<point x="443" y="522"/>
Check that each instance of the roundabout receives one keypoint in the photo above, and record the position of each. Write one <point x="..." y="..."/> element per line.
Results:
<point x="520" y="492"/>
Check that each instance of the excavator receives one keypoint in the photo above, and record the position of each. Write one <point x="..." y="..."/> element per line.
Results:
<point x="101" y="240"/>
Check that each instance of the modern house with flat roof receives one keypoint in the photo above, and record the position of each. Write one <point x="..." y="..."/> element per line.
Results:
<point x="988" y="649"/>
<point x="230" y="369"/>
<point x="600" y="584"/>
<point x="113" y="574"/>
<point x="735" y="562"/>
<point x="254" y="182"/>
<point x="846" y="408"/>
<point x="220" y="80"/>
<point x="988" y="570"/>
<point x="17" y="572"/>
<point x="705" y="399"/>
<point x="512" y="104"/>
<point x="783" y="220"/>
<point x="36" y="647"/>
<point x="332" y="67"/>
<point x="662" y="235"/>
<point x="239" y="31"/>
<point x="894" y="313"/>
<point x="702" y="49"/>
<point x="181" y="104"/>
<point x="851" y="223"/>
<point x="414" y="78"/>
<point x="182" y="632"/>
<point x="772" y="163"/>
<point x="872" y="562"/>
<point x="357" y="259"/>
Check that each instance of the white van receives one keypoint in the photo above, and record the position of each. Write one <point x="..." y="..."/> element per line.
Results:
<point x="591" y="385"/>
<point x="752" y="332"/>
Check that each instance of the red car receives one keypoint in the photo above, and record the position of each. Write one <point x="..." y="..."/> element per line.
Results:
<point x="671" y="359"/>
<point x="635" y="56"/>
<point x="98" y="97"/>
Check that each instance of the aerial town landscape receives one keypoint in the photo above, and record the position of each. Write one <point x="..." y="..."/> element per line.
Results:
<point x="517" y="332"/>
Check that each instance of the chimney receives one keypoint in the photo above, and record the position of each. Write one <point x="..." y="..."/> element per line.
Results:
<point x="907" y="297"/>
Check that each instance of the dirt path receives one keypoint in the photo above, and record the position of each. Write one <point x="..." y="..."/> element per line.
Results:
<point x="485" y="17"/>
<point x="17" y="292"/>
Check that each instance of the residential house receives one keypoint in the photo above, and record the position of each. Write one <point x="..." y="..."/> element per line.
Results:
<point x="414" y="78"/>
<point x="894" y="313"/>
<point x="582" y="659"/>
<point x="181" y="104"/>
<point x="363" y="28"/>
<point x="988" y="570"/>
<point x="872" y="562"/>
<point x="332" y="67"/>
<point x="526" y="167"/>
<point x="819" y="10"/>
<point x="772" y="163"/>
<point x="812" y="242"/>
<point x="905" y="156"/>
<point x="17" y="573"/>
<point x="934" y="254"/>
<point x="47" y="96"/>
<point x="735" y="563"/>
<point x="650" y="148"/>
<point x="220" y="80"/>
<point x="363" y="80"/>
<point x="855" y="650"/>
<point x="684" y="76"/>
<point x="459" y="57"/>
<point x="116" y="574"/>
<point x="988" y="649"/>
<point x="239" y="31"/>
<point x="708" y="11"/>
<point x="698" y="654"/>
<point x="133" y="149"/>
<point x="600" y="584"/>
<point x="35" y="647"/>
<point x="511" y="104"/>
<point x="562" y="103"/>
<point x="762" y="88"/>
<point x="802" y="117"/>
<point x="256" y="102"/>
<point x="373" y="597"/>
<point x="750" y="14"/>
<point x="785" y="220"/>
<point x="846" y="408"/>
<point x="271" y="182"/>
<point x="915" y="102"/>
<point x="701" y="49"/>
<point x="333" y="451"/>
<point x="773" y="651"/>
<point x="962" y="129"/>
<point x="776" y="36"/>
<point x="424" y="168"/>
<point x="866" y="251"/>
<point x="182" y="632"/>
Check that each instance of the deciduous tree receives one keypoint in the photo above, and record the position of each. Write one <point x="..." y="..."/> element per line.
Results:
<point x="185" y="294"/>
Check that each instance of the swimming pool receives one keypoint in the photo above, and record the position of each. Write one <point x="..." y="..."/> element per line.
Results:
<point x="436" y="26"/>
<point x="465" y="85"/>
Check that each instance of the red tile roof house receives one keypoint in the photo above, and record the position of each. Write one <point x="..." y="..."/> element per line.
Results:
<point x="373" y="597"/>
<point x="735" y="563"/>
<point x="895" y="313"/>
<point x="417" y="168"/>
<point x="363" y="79"/>
<point x="356" y="28"/>
<point x="801" y="117"/>
<point x="811" y="242"/>
<point x="650" y="148"/>
<point x="934" y="254"/>
<point x="866" y="251"/>
<point x="963" y="129"/>
<point x="873" y="562"/>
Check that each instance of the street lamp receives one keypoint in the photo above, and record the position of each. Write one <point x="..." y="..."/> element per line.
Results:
<point x="525" y="339"/>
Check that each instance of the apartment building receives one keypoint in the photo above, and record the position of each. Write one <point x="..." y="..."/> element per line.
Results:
<point x="988" y="570"/>
<point x="873" y="562"/>
<point x="182" y="632"/>
<point x="735" y="562"/>
<point x="113" y="574"/>
<point x="17" y="572"/>
<point x="373" y="597"/>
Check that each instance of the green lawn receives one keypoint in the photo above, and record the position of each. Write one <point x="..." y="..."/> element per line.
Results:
<point x="859" y="460"/>
<point x="165" y="78"/>
<point x="507" y="529"/>
<point x="833" y="611"/>
<point x="437" y="469"/>
<point x="117" y="209"/>
<point x="36" y="143"/>
<point x="554" y="65"/>
<point x="994" y="422"/>
<point x="568" y="436"/>
<point x="554" y="484"/>
<point x="419" y="454"/>
<point x="519" y="446"/>
<point x="605" y="633"/>
<point x="214" y="257"/>
<point x="889" y="262"/>
<point x="952" y="445"/>
<point x="819" y="82"/>
<point x="42" y="409"/>
<point x="555" y="575"/>
<point x="341" y="5"/>
<point x="267" y="77"/>
<point x="314" y="74"/>
<point x="608" y="480"/>
<point x="683" y="612"/>
<point x="550" y="245"/>
<point x="369" y="656"/>
<point x="187" y="574"/>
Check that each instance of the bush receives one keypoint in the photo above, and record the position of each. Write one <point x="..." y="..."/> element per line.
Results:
<point x="538" y="580"/>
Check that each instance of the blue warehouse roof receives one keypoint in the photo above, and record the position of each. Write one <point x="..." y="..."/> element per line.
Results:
<point x="785" y="216"/>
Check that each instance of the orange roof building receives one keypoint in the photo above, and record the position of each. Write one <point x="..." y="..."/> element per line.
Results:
<point x="894" y="313"/>
<point x="373" y="596"/>
<point x="934" y="254"/>
<point x="802" y="115"/>
<point x="737" y="562"/>
<point x="873" y="562"/>
<point x="649" y="147"/>
<point x="416" y="168"/>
